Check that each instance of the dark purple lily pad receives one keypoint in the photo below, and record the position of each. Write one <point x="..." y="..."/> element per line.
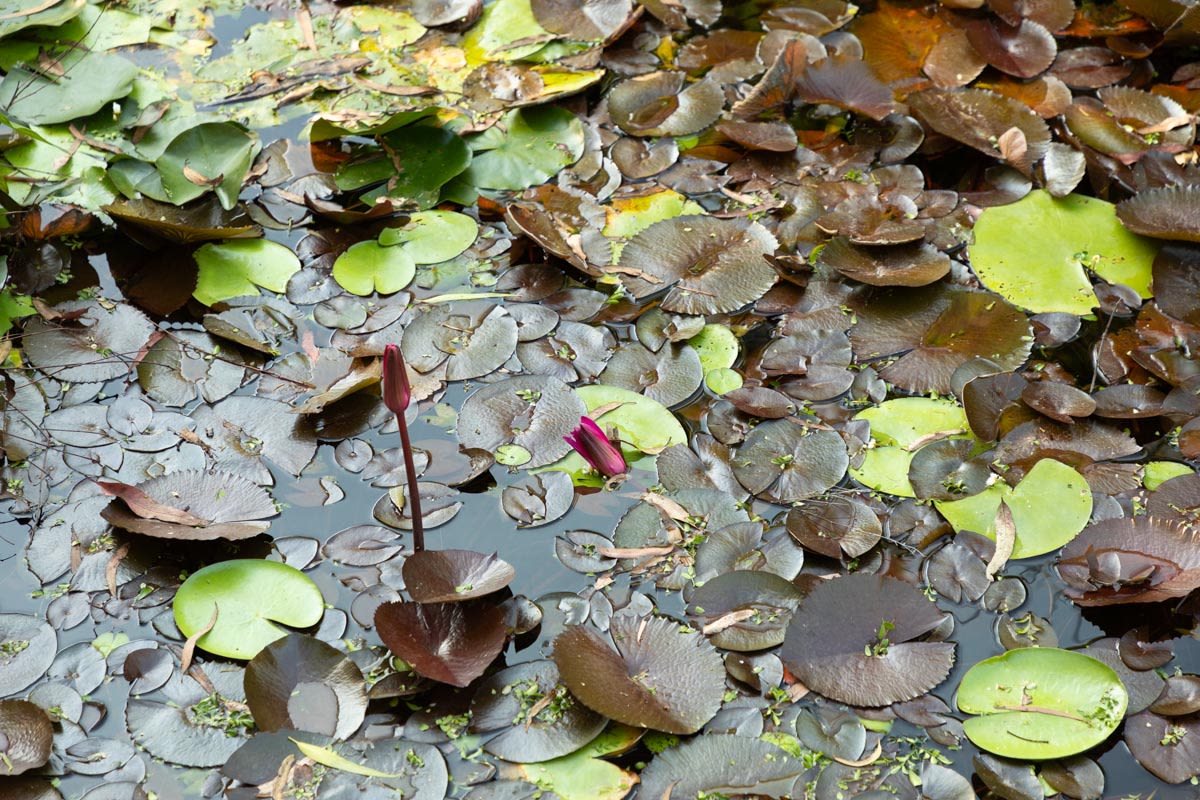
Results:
<point x="709" y="265"/>
<point x="25" y="737"/>
<point x="835" y="526"/>
<point x="718" y="764"/>
<point x="301" y="683"/>
<point x="744" y="610"/>
<point x="786" y="461"/>
<point x="1139" y="560"/>
<point x="538" y="718"/>
<point x="230" y="506"/>
<point x="658" y="677"/>
<point x="448" y="642"/>
<point x="854" y="639"/>
<point x="451" y="576"/>
<point x="1169" y="747"/>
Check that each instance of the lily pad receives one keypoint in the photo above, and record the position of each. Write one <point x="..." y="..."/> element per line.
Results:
<point x="857" y="640"/>
<point x="448" y="642"/>
<point x="1045" y="267"/>
<point x="717" y="764"/>
<point x="203" y="505"/>
<point x="431" y="237"/>
<point x="658" y="676"/>
<point x="898" y="427"/>
<point x="1138" y="560"/>
<point x="529" y="412"/>
<point x="212" y="156"/>
<point x="1049" y="506"/>
<point x="27" y="648"/>
<point x="370" y="267"/>
<point x="785" y="461"/>
<point x="418" y="161"/>
<point x="301" y="683"/>
<point x="83" y="83"/>
<point x="233" y="269"/>
<point x="25" y="737"/>
<point x="450" y="576"/>
<point x="1041" y="702"/>
<point x="527" y="147"/>
<point x="248" y="597"/>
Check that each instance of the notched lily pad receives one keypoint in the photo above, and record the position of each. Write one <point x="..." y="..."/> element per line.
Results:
<point x="856" y="640"/>
<point x="709" y="265"/>
<point x="657" y="677"/>
<point x="786" y="461"/>
<point x="1137" y="560"/>
<point x="537" y="717"/>
<point x="25" y="737"/>
<point x="448" y="642"/>
<point x="717" y="763"/>
<point x="450" y="576"/>
<point x="243" y="599"/>
<point x="191" y="505"/>
<point x="1040" y="702"/>
<point x="301" y="683"/>
<point x="27" y="648"/>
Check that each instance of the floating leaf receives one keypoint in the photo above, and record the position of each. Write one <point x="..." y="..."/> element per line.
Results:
<point x="1064" y="237"/>
<point x="786" y="461"/>
<point x="898" y="428"/>
<point x="431" y="237"/>
<point x="27" y="648"/>
<point x="369" y="267"/>
<point x="1040" y="702"/>
<point x="658" y="677"/>
<point x="527" y="147"/>
<point x="538" y="719"/>
<point x="301" y="683"/>
<point x="80" y="84"/>
<point x="25" y="737"/>
<point x="709" y="265"/>
<point x="854" y="640"/>
<point x="222" y="506"/>
<point x="1163" y="213"/>
<point x="450" y="576"/>
<point x="530" y="412"/>
<point x="1138" y="560"/>
<point x="233" y="269"/>
<point x="417" y="160"/>
<point x="1049" y="506"/>
<point x="448" y="642"/>
<point x="211" y="156"/>
<point x="249" y="596"/>
<point x="716" y="764"/>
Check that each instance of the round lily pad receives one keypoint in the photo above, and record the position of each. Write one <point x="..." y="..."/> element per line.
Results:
<point x="370" y="267"/>
<point x="717" y="347"/>
<point x="27" y="647"/>
<point x="236" y="268"/>
<point x="431" y="237"/>
<point x="1049" y="506"/>
<point x="249" y="596"/>
<point x="657" y="677"/>
<point x="897" y="429"/>
<point x="527" y="147"/>
<point x="1034" y="252"/>
<point x="645" y="426"/>
<point x="1041" y="702"/>
<point x="25" y="737"/>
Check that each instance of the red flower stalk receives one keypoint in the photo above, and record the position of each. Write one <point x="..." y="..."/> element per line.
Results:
<point x="396" y="396"/>
<point x="590" y="441"/>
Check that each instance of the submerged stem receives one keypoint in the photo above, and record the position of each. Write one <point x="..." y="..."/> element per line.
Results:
<point x="414" y="494"/>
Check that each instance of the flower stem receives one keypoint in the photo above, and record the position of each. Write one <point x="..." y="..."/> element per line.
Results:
<point x="414" y="493"/>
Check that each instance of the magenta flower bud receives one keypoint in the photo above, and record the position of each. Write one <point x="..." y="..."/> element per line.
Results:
<point x="590" y="441"/>
<point x="396" y="393"/>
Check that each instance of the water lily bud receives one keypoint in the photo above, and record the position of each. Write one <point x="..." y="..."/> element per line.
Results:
<point x="590" y="441"/>
<point x="396" y="392"/>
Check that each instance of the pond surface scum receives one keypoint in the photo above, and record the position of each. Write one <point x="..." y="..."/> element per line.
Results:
<point x="803" y="397"/>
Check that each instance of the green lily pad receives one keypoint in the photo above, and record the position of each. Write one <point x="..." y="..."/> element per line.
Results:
<point x="644" y="426"/>
<point x="897" y="429"/>
<point x="420" y="159"/>
<point x="370" y="267"/>
<point x="15" y="15"/>
<point x="1033" y="252"/>
<point x="237" y="268"/>
<point x="431" y="237"/>
<point x="526" y="148"/>
<point x="1156" y="472"/>
<point x="506" y="31"/>
<point x="250" y="596"/>
<point x="717" y="347"/>
<point x="89" y="81"/>
<point x="1050" y="506"/>
<point x="583" y="775"/>
<point x="626" y="217"/>
<point x="722" y="381"/>
<point x="1041" y="702"/>
<point x="214" y="157"/>
<point x="12" y="306"/>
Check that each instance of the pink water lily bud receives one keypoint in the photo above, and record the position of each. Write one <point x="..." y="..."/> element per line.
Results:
<point x="590" y="441"/>
<point x="396" y="392"/>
